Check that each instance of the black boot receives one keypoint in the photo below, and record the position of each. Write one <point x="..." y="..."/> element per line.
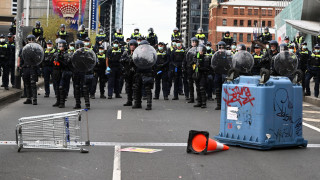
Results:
<point x="28" y="101"/>
<point x="102" y="96"/>
<point x="34" y="102"/>
<point x="156" y="98"/>
<point x="149" y="97"/>
<point x="92" y="96"/>
<point x="218" y="97"/>
<point x="62" y="98"/>
<point x="166" y="98"/>
<point x="136" y="105"/>
<point x="149" y="107"/>
<point x="77" y="95"/>
<point x="77" y="106"/>
<point x="175" y="98"/>
<point x="203" y="97"/>
<point x="86" y="97"/>
<point x="128" y="103"/>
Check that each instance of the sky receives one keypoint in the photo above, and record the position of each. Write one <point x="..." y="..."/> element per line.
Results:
<point x="158" y="14"/>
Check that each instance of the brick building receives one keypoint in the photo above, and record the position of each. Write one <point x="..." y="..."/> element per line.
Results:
<point x="244" y="19"/>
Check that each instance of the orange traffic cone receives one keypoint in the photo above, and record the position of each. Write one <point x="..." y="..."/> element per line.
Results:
<point x="200" y="143"/>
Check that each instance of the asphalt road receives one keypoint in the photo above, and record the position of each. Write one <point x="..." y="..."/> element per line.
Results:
<point x="169" y="122"/>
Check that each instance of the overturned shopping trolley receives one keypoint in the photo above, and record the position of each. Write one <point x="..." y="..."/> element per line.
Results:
<point x="60" y="131"/>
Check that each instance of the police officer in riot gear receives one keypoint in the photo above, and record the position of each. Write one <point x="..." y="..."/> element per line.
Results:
<point x="82" y="33"/>
<point x="99" y="73"/>
<point x="101" y="37"/>
<point x="177" y="58"/>
<point x="187" y="66"/>
<point x="113" y="62"/>
<point x="118" y="36"/>
<point x="265" y="36"/>
<point x="136" y="34"/>
<point x="61" y="73"/>
<point x="47" y="67"/>
<point x="234" y="47"/>
<point x="304" y="57"/>
<point x="143" y="77"/>
<point x="129" y="70"/>
<point x="272" y="53"/>
<point x="201" y="36"/>
<point x="62" y="33"/>
<point x="313" y="71"/>
<point x="287" y="40"/>
<point x="38" y="31"/>
<point x="227" y="38"/>
<point x="30" y="76"/>
<point x="176" y="34"/>
<point x="201" y="69"/>
<point x="210" y="84"/>
<point x="221" y="63"/>
<point x="5" y="51"/>
<point x="152" y="38"/>
<point x="298" y="40"/>
<point x="161" y="69"/>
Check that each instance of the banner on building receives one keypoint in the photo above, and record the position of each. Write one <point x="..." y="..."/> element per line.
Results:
<point x="69" y="9"/>
<point x="94" y="11"/>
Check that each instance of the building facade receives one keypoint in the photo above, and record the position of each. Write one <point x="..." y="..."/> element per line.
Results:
<point x="188" y="18"/>
<point x="8" y="11"/>
<point x="245" y="20"/>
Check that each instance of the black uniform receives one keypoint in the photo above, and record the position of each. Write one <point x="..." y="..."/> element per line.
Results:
<point x="13" y="28"/>
<point x="260" y="61"/>
<point x="47" y="68"/>
<point x="99" y="75"/>
<point x="152" y="38"/>
<point x="62" y="35"/>
<point x="271" y="56"/>
<point x="12" y="61"/>
<point x="81" y="35"/>
<point x="61" y="74"/>
<point x="313" y="71"/>
<point x="161" y="70"/>
<point x="143" y="77"/>
<point x="38" y="32"/>
<point x="114" y="56"/>
<point x="265" y="37"/>
<point x="228" y="40"/>
<point x="304" y="58"/>
<point x="129" y="69"/>
<point x="5" y="51"/>
<point x="202" y="69"/>
<point x="188" y="70"/>
<point x="177" y="58"/>
<point x="210" y="78"/>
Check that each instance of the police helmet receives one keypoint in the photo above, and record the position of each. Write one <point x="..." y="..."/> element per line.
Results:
<point x="304" y="43"/>
<point x="133" y="42"/>
<point x="178" y="40"/>
<point x="119" y="30"/>
<point x="286" y="38"/>
<point x="79" y="44"/>
<point x="317" y="46"/>
<point x="234" y="43"/>
<point x="241" y="47"/>
<point x="72" y="44"/>
<point x="227" y="32"/>
<point x="273" y="42"/>
<point x="115" y="41"/>
<point x="291" y="46"/>
<point x="200" y="30"/>
<point x="31" y="37"/>
<point x="202" y="48"/>
<point x="266" y="28"/>
<point x="161" y="43"/>
<point x="221" y="43"/>
<point x="87" y="39"/>
<point x="101" y="31"/>
<point x="37" y="23"/>
<point x="195" y="39"/>
<point x="175" y="29"/>
<point x="82" y="27"/>
<point x="208" y="43"/>
<point x="62" y="26"/>
<point x="150" y="29"/>
<point x="144" y="42"/>
<point x="136" y="29"/>
<point x="62" y="43"/>
<point x="101" y="47"/>
<point x="2" y="36"/>
<point x="283" y="47"/>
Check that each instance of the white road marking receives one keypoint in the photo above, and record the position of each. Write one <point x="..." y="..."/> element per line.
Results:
<point x="117" y="163"/>
<point x="137" y="144"/>
<point x="312" y="112"/>
<point x="311" y="119"/>
<point x="119" y="114"/>
<point x="311" y="127"/>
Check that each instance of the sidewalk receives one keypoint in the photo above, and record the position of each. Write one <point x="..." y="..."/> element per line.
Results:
<point x="311" y="99"/>
<point x="13" y="94"/>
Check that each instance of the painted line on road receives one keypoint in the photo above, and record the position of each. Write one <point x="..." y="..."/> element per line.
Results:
<point x="117" y="163"/>
<point x="119" y="114"/>
<point x="311" y="112"/>
<point x="113" y="144"/>
<point x="311" y="127"/>
<point x="311" y="120"/>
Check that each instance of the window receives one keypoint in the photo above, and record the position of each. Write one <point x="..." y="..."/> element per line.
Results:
<point x="256" y="11"/>
<point x="249" y="11"/>
<point x="241" y="11"/>
<point x="241" y="37"/>
<point x="235" y="22"/>
<point x="241" y="22"/>
<point x="263" y="12"/>
<point x="249" y="23"/>
<point x="195" y="13"/>
<point x="248" y="37"/>
<point x="224" y="11"/>
<point x="236" y="11"/>
<point x="269" y="24"/>
<point x="235" y="37"/>
<point x="270" y="12"/>
<point x="196" y="20"/>
<point x="263" y="23"/>
<point x="224" y="22"/>
<point x="255" y="23"/>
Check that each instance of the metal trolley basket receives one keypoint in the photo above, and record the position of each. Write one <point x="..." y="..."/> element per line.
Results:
<point x="60" y="131"/>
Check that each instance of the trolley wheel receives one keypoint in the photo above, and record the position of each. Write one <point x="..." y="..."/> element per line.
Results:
<point x="19" y="149"/>
<point x="265" y="75"/>
<point x="84" y="150"/>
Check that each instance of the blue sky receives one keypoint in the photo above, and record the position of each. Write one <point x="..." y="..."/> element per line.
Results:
<point x="159" y="14"/>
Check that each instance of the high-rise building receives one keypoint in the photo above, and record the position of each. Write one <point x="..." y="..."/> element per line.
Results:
<point x="8" y="11"/>
<point x="188" y="18"/>
<point x="110" y="22"/>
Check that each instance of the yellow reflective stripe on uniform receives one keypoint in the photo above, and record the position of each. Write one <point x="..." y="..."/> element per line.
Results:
<point x="134" y="35"/>
<point x="305" y="52"/>
<point x="5" y="46"/>
<point x="119" y="50"/>
<point x="178" y="50"/>
<point x="200" y="36"/>
<point x="159" y="53"/>
<point x="266" y="34"/>
<point x="37" y="30"/>
<point x="229" y="37"/>
<point x="101" y="35"/>
<point x="257" y="57"/>
<point x="315" y="55"/>
<point x="52" y="51"/>
<point x="154" y="35"/>
<point x="120" y="35"/>
<point x="175" y="35"/>
<point x="62" y="33"/>
<point x="101" y="56"/>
